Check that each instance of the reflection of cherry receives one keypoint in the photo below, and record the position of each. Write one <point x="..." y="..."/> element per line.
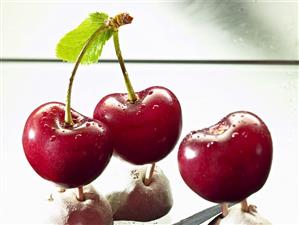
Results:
<point x="64" y="208"/>
<point x="144" y="131"/>
<point x="70" y="156"/>
<point x="140" y="202"/>
<point x="228" y="161"/>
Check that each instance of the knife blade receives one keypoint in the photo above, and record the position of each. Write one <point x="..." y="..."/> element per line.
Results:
<point x="202" y="216"/>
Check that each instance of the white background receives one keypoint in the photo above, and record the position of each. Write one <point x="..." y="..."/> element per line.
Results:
<point x="207" y="92"/>
<point x="189" y="29"/>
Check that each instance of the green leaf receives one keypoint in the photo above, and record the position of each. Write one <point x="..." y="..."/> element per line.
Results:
<point x="70" y="46"/>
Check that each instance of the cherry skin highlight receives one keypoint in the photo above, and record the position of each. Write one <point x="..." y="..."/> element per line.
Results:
<point x="146" y="130"/>
<point x="228" y="161"/>
<point x="68" y="155"/>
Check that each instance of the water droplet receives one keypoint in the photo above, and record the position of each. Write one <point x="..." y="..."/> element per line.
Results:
<point x="44" y="118"/>
<point x="46" y="126"/>
<point x="53" y="138"/>
<point x="78" y="135"/>
<point x="138" y="113"/>
<point x="87" y="124"/>
<point x="235" y="134"/>
<point x="155" y="106"/>
<point x="151" y="92"/>
<point x="244" y="133"/>
<point x="210" y="144"/>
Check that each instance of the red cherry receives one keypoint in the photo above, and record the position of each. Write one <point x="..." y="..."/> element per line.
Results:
<point x="144" y="131"/>
<point x="70" y="156"/>
<point x="228" y="161"/>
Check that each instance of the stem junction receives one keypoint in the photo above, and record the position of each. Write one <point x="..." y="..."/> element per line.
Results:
<point x="248" y="208"/>
<point x="224" y="209"/>
<point x="131" y="93"/>
<point x="149" y="173"/>
<point x="80" y="196"/>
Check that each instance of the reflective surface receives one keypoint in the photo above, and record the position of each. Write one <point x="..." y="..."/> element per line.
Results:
<point x="185" y="30"/>
<point x="205" y="92"/>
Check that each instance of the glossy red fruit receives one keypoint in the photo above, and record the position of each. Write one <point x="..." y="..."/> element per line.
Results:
<point x="70" y="156"/>
<point x="228" y="161"/>
<point x="144" y="131"/>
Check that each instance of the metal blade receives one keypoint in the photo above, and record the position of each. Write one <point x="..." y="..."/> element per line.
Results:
<point x="201" y="216"/>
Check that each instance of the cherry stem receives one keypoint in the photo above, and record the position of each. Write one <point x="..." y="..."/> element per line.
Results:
<point x="131" y="93"/>
<point x="224" y="209"/>
<point x="80" y="196"/>
<point x="68" y="115"/>
<point x="149" y="173"/>
<point x="111" y="24"/>
<point x="245" y="206"/>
